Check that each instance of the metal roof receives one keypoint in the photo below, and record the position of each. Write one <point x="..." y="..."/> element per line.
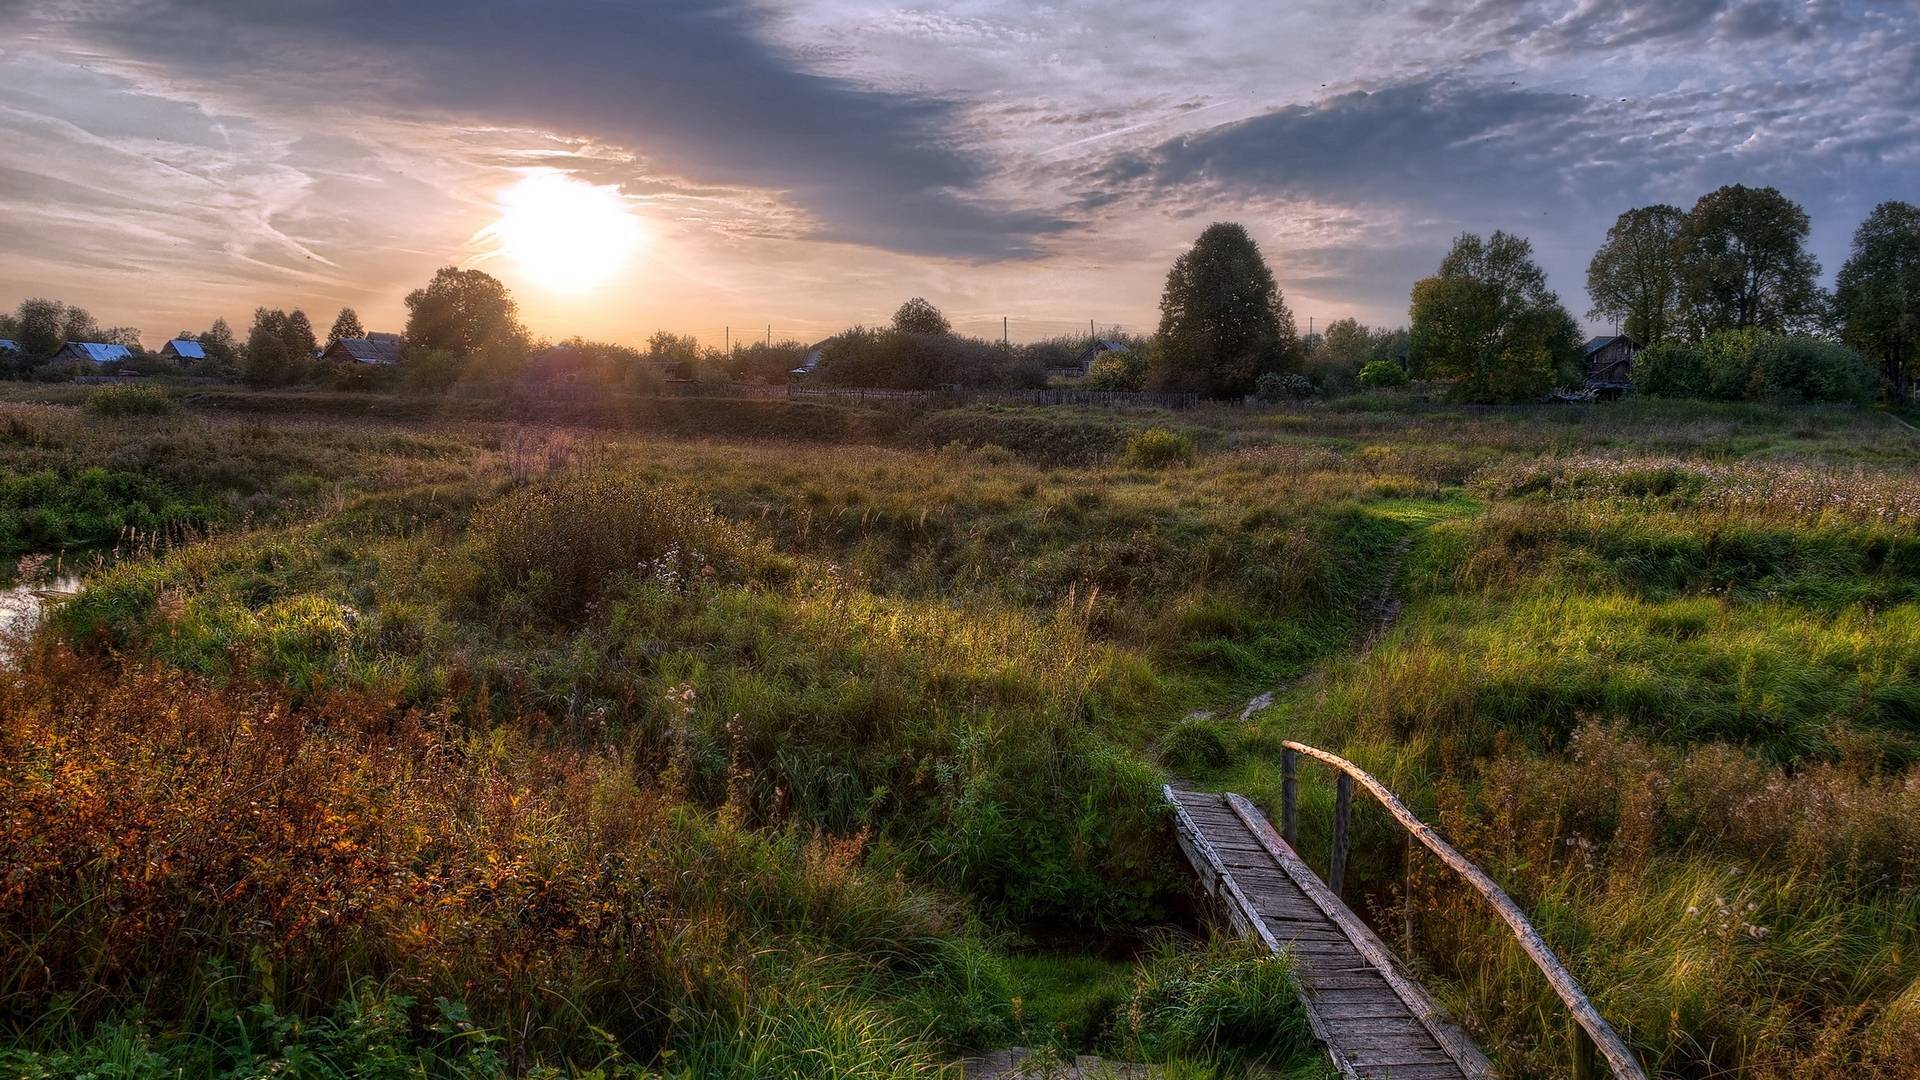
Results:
<point x="8" y="346"/>
<point x="99" y="352"/>
<point x="186" y="349"/>
<point x="1594" y="345"/>
<point x="368" y="351"/>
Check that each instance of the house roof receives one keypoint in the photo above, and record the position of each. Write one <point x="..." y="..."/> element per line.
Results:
<point x="1594" y="345"/>
<point x="99" y="352"/>
<point x="186" y="349"/>
<point x="385" y="350"/>
<point x="8" y="346"/>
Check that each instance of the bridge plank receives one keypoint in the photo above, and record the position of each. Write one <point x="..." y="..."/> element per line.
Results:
<point x="1360" y="1009"/>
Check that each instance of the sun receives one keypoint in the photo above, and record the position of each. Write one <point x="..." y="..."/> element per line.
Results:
<point x="567" y="234"/>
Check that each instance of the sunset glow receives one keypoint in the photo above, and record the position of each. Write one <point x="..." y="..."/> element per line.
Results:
<point x="567" y="235"/>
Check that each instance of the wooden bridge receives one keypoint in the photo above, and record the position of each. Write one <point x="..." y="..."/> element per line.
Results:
<point x="1373" y="1017"/>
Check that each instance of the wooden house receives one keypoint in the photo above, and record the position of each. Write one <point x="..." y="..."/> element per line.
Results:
<point x="183" y="351"/>
<point x="1608" y="363"/>
<point x="372" y="349"/>
<point x="92" y="352"/>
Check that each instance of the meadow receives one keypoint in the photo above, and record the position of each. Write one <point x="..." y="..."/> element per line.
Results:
<point x="776" y="738"/>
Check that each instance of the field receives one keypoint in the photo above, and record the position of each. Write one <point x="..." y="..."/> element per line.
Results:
<point x="775" y="738"/>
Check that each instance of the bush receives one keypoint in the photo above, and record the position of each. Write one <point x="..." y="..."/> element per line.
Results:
<point x="1274" y="386"/>
<point x="562" y="543"/>
<point x="896" y="359"/>
<point x="1231" y="1004"/>
<point x="1671" y="370"/>
<point x="1195" y="745"/>
<point x="1157" y="448"/>
<point x="123" y="401"/>
<point x="1382" y="373"/>
<point x="1747" y="365"/>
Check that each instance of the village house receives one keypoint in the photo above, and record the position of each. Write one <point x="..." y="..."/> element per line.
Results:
<point x="1083" y="365"/>
<point x="92" y="352"/>
<point x="1608" y="363"/>
<point x="372" y="349"/>
<point x="7" y="346"/>
<point x="183" y="351"/>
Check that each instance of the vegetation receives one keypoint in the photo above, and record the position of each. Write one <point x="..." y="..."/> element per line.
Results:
<point x="1488" y="322"/>
<point x="1746" y="365"/>
<point x="1223" y="320"/>
<point x="1878" y="294"/>
<point x="504" y="690"/>
<point x="116" y="402"/>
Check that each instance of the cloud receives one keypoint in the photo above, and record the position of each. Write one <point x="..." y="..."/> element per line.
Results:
<point x="692" y="87"/>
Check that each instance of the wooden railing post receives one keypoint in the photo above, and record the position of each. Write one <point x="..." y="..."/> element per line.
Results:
<point x="1342" y="817"/>
<point x="1586" y="1056"/>
<point x="1289" y="797"/>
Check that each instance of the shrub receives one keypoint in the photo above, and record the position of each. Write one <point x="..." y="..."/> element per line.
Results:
<point x="1672" y="370"/>
<point x="1802" y="368"/>
<point x="1116" y="370"/>
<point x="1229" y="1003"/>
<point x="1195" y="745"/>
<point x="1382" y="373"/>
<point x="563" y="542"/>
<point x="1274" y="386"/>
<point x="124" y="401"/>
<point x="1157" y="448"/>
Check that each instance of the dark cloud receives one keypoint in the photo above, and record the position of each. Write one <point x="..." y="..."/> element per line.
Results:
<point x="693" y="86"/>
<point x="1433" y="141"/>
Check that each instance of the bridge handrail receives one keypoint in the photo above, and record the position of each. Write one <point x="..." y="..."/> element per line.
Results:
<point x="1607" y="1041"/>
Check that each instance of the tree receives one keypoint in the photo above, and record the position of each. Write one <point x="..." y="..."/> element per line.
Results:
<point x="1635" y="279"/>
<point x="1347" y="341"/>
<point x="1223" y="321"/>
<point x="77" y="325"/>
<point x="297" y="334"/>
<point x="121" y="335"/>
<point x="916" y="316"/>
<point x="1744" y="263"/>
<point x="267" y="363"/>
<point x="38" y="327"/>
<point x="1878" y="293"/>
<point x="222" y="351"/>
<point x="345" y="325"/>
<point x="1488" y="321"/>
<point x="464" y="312"/>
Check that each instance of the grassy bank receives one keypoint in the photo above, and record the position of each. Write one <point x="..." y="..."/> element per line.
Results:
<point x="911" y="681"/>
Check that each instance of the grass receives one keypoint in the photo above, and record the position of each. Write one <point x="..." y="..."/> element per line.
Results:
<point x="815" y="723"/>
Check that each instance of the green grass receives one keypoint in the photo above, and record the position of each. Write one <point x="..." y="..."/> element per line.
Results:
<point x="1651" y="657"/>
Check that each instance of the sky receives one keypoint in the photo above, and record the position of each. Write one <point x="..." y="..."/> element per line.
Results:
<point x="798" y="167"/>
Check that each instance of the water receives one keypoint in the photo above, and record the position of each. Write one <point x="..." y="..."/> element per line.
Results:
<point x="21" y="604"/>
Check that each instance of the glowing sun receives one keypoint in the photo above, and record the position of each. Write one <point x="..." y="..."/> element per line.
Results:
<point x="566" y="234"/>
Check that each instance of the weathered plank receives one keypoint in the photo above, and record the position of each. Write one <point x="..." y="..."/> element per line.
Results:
<point x="1367" y="1013"/>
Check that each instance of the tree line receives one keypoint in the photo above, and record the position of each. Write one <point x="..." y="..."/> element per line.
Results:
<point x="1725" y="297"/>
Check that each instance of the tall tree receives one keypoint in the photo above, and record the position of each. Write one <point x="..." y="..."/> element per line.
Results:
<point x="297" y="332"/>
<point x="463" y="312"/>
<point x="1223" y="320"/>
<point x="268" y="361"/>
<point x="1488" y="321"/>
<point x="1634" y="279"/>
<point x="39" y="326"/>
<point x="345" y="325"/>
<point x="219" y="345"/>
<point x="1745" y="263"/>
<point x="121" y="335"/>
<point x="917" y="316"/>
<point x="1878" y="293"/>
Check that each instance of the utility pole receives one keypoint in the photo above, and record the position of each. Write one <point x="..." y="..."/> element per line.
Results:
<point x="1089" y="329"/>
<point x="769" y="335"/>
<point x="727" y="336"/>
<point x="1003" y="331"/>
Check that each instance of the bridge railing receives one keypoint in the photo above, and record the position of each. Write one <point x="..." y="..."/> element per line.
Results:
<point x="1592" y="1035"/>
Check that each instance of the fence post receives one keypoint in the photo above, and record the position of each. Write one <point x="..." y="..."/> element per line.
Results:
<point x="1289" y="796"/>
<point x="1586" y="1056"/>
<point x="1342" y="816"/>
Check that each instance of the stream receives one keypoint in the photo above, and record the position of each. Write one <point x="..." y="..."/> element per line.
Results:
<point x="21" y="604"/>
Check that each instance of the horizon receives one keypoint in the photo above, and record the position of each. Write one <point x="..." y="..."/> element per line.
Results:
<point x="800" y="169"/>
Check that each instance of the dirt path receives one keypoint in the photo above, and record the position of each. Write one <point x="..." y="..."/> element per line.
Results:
<point x="1377" y="617"/>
